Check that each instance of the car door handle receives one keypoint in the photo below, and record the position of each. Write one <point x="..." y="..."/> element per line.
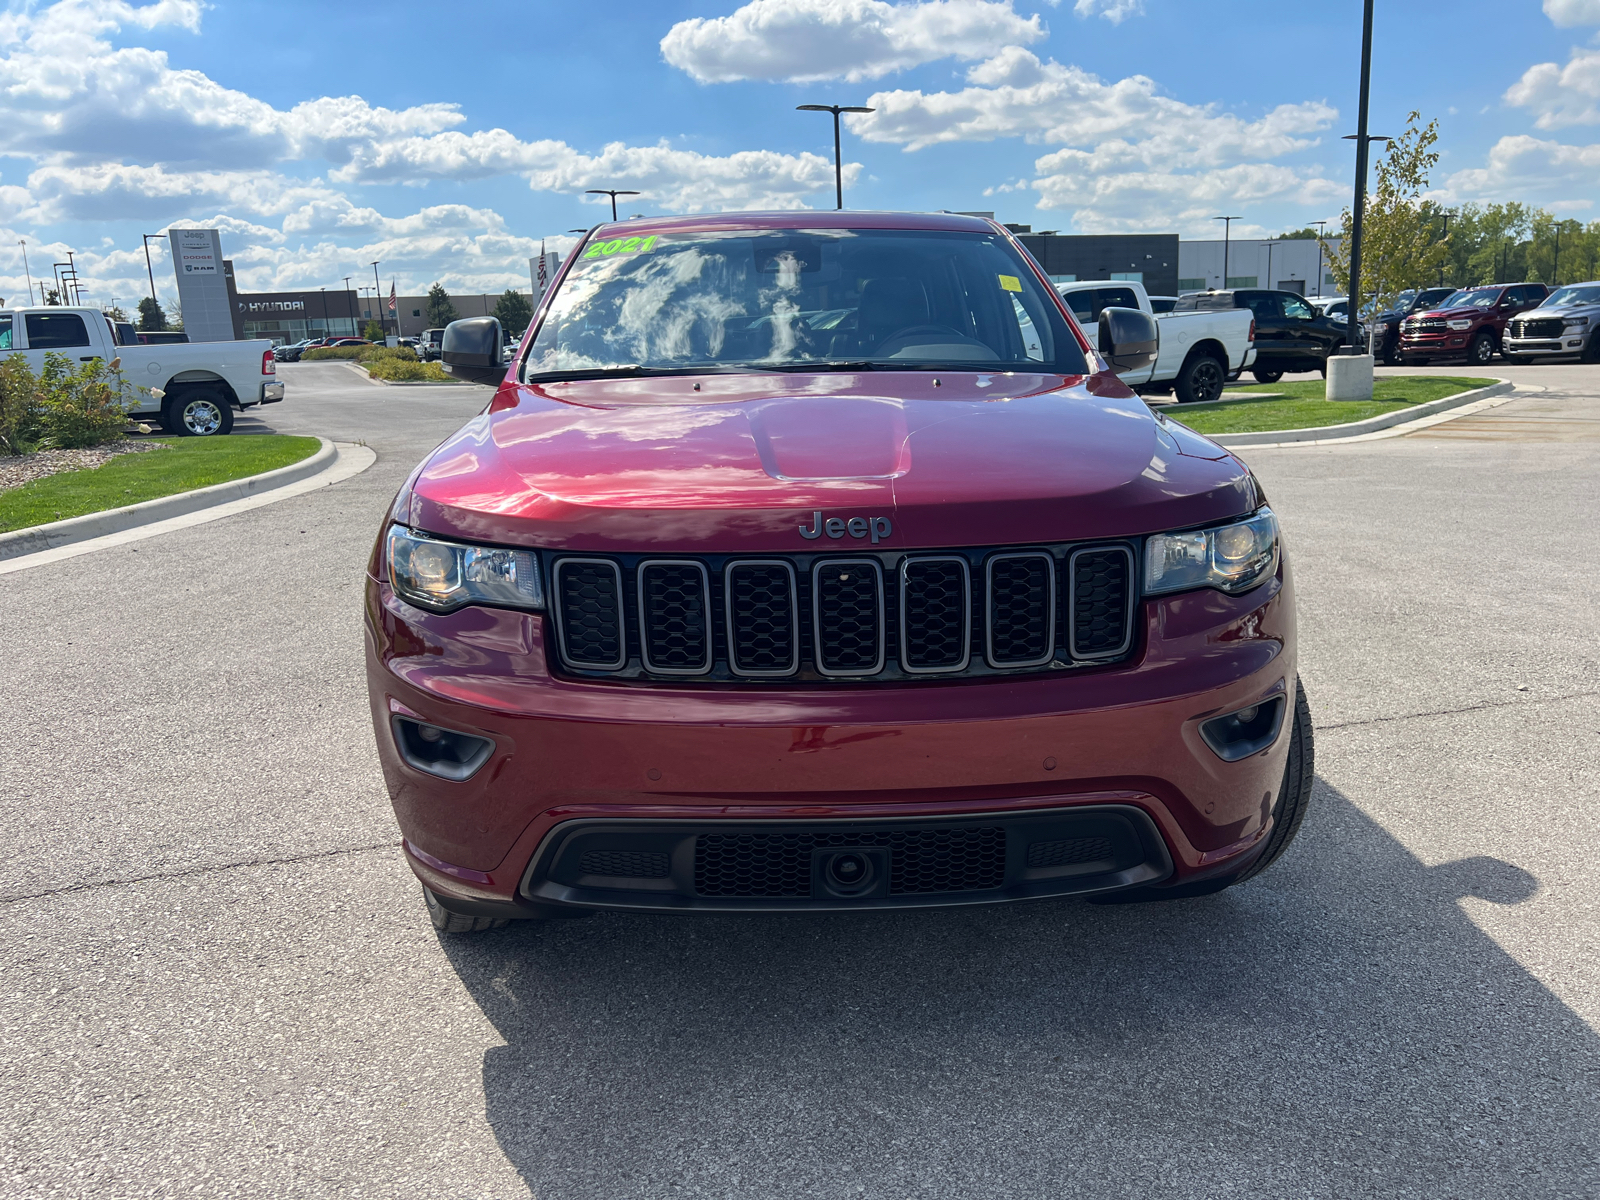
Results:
<point x="87" y="357"/>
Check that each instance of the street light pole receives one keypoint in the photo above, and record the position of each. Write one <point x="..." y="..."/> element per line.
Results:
<point x="613" y="193"/>
<point x="1320" y="226"/>
<point x="377" y="297"/>
<point x="1445" y="238"/>
<point x="838" y="156"/>
<point x="27" y="274"/>
<point x="1358" y="211"/>
<point x="151" y="271"/>
<point x="1269" y="262"/>
<point x="350" y="303"/>
<point x="1227" y="228"/>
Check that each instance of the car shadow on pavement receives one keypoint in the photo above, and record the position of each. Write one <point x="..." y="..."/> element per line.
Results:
<point x="1338" y="1027"/>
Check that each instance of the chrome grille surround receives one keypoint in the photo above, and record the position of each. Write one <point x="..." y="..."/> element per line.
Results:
<point x="908" y="567"/>
<point x="1075" y="597"/>
<point x="1046" y="637"/>
<point x="702" y="624"/>
<point x="564" y="625"/>
<point x="735" y="665"/>
<point x="845" y="598"/>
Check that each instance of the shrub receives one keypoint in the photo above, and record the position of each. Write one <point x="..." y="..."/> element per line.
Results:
<point x="358" y="353"/>
<point x="407" y="370"/>
<point x="86" y="406"/>
<point x="373" y="332"/>
<point x="19" y="406"/>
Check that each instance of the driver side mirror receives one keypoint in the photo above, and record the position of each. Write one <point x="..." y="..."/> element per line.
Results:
<point x="1129" y="339"/>
<point x="471" y="350"/>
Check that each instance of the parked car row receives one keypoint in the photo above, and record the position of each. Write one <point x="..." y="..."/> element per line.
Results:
<point x="293" y="350"/>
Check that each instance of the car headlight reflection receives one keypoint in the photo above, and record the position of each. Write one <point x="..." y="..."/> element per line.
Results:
<point x="443" y="576"/>
<point x="1232" y="558"/>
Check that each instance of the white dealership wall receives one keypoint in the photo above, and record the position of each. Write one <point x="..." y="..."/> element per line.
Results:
<point x="202" y="287"/>
<point x="1293" y="265"/>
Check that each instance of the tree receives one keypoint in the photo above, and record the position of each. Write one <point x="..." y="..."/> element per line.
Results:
<point x="175" y="317"/>
<point x="115" y="312"/>
<point x="52" y="296"/>
<point x="151" y="318"/>
<point x="373" y="332"/>
<point x="1307" y="234"/>
<point x="513" y="311"/>
<point x="1401" y="243"/>
<point x="440" y="311"/>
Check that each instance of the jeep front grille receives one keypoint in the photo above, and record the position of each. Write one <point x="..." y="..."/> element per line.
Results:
<point x="882" y="616"/>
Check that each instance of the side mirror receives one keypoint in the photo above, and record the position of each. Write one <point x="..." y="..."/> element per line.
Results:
<point x="471" y="350"/>
<point x="1128" y="339"/>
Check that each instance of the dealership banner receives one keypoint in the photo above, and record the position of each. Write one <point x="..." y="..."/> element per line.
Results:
<point x="202" y="289"/>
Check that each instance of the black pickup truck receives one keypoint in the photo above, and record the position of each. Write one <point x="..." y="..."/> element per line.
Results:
<point x="1290" y="334"/>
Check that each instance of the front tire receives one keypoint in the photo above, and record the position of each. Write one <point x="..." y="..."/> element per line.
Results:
<point x="1267" y="376"/>
<point x="446" y="921"/>
<point x="1200" y="380"/>
<point x="1591" y="351"/>
<point x="1481" y="352"/>
<point x="204" y="412"/>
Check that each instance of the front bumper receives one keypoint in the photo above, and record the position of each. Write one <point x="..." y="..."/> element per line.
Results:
<point x="1542" y="345"/>
<point x="1429" y="346"/>
<point x="583" y="767"/>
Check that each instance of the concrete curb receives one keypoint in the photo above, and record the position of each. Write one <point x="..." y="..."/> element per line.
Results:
<point x="1403" y="416"/>
<point x="116" y="520"/>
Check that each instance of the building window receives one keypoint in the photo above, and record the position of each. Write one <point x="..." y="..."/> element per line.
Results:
<point x="1328" y="278"/>
<point x="416" y="312"/>
<point x="1128" y="276"/>
<point x="1191" y="285"/>
<point x="1063" y="279"/>
<point x="1242" y="281"/>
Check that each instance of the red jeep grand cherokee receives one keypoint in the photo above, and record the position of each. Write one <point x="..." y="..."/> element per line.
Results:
<point x="816" y="561"/>
<point x="1468" y="324"/>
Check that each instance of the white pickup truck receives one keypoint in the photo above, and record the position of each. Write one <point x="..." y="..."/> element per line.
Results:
<point x="1195" y="358"/>
<point x="191" y="387"/>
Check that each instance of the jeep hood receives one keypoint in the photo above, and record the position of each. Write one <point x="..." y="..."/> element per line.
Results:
<point x="739" y="463"/>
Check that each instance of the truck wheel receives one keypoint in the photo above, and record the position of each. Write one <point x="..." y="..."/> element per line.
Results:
<point x="1482" y="350"/>
<point x="446" y="921"/>
<point x="1591" y="351"/>
<point x="1288" y="812"/>
<point x="1267" y="376"/>
<point x="204" y="412"/>
<point x="1200" y="380"/>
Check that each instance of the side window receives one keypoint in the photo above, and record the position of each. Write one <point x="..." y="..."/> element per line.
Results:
<point x="5" y="332"/>
<point x="1082" y="305"/>
<point x="1296" y="309"/>
<point x="1263" y="304"/>
<point x="56" y="331"/>
<point x="1114" y="298"/>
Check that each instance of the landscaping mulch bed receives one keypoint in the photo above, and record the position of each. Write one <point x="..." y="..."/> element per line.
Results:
<point x="19" y="469"/>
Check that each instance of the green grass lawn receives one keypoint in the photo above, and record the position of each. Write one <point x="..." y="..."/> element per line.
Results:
<point x="1302" y="405"/>
<point x="179" y="465"/>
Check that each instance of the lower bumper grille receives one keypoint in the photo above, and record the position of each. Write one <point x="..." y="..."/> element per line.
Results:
<point x="779" y="864"/>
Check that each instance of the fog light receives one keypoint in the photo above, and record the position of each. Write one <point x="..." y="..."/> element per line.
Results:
<point x="1245" y="732"/>
<point x="446" y="753"/>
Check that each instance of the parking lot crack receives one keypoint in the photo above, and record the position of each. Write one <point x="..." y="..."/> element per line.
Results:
<point x="92" y="885"/>
<point x="1448" y="712"/>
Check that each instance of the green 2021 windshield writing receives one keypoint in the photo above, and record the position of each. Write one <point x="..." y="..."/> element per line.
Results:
<point x="633" y="245"/>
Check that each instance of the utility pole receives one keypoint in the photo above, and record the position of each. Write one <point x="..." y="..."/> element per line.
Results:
<point x="1227" y="228"/>
<point x="838" y="158"/>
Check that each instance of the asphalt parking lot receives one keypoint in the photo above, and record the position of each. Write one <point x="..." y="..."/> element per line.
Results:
<point x="219" y="979"/>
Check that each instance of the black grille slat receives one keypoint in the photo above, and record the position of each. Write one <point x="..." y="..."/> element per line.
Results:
<point x="763" y="620"/>
<point x="1021" y="609"/>
<point x="1069" y="852"/>
<point x="921" y="861"/>
<point x="1100" y="588"/>
<point x="629" y="863"/>
<point x="675" y="617"/>
<point x="935" y="620"/>
<point x="1544" y="327"/>
<point x="847" y="616"/>
<point x="590" y="594"/>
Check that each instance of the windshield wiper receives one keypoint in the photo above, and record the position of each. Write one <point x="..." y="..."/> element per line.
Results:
<point x="634" y="371"/>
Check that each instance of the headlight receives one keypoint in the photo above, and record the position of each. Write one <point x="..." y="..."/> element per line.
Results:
<point x="444" y="576"/>
<point x="1576" y="322"/>
<point x="1459" y="324"/>
<point x="1234" y="558"/>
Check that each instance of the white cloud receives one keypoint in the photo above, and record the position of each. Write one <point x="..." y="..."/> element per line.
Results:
<point x="1561" y="96"/>
<point x="115" y="190"/>
<point x="1115" y="11"/>
<point x="1573" y="12"/>
<point x="1017" y="95"/>
<point x="1521" y="166"/>
<point x="805" y="40"/>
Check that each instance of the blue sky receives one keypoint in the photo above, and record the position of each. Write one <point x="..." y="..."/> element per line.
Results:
<point x="447" y="141"/>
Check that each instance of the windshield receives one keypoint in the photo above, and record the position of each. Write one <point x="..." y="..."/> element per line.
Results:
<point x="802" y="299"/>
<point x="1478" y="298"/>
<point x="1567" y="296"/>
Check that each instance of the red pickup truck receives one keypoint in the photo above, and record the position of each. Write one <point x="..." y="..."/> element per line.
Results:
<point x="818" y="561"/>
<point x="1467" y="325"/>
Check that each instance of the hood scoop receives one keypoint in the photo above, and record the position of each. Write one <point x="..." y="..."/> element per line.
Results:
<point x="818" y="438"/>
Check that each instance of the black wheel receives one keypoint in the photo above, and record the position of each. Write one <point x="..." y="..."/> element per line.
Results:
<point x="446" y="921"/>
<point x="1266" y="376"/>
<point x="202" y="412"/>
<point x="1288" y="812"/>
<point x="1482" y="350"/>
<point x="1591" y="351"/>
<point x="1200" y="380"/>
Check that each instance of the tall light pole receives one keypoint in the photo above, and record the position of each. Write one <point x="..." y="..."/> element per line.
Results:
<point x="1269" y="263"/>
<point x="838" y="158"/>
<point x="1320" y="226"/>
<point x="349" y="304"/>
<point x="613" y="193"/>
<point x="377" y="297"/>
<point x="1359" y="208"/>
<point x="1444" y="238"/>
<point x="1227" y="228"/>
<point x="27" y="274"/>
<point x="151" y="271"/>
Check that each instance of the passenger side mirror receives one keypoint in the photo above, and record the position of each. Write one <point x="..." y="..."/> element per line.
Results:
<point x="471" y="350"/>
<point x="1129" y="339"/>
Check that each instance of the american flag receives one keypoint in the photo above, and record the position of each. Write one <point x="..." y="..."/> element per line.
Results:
<point x="541" y="267"/>
<point x="392" y="299"/>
